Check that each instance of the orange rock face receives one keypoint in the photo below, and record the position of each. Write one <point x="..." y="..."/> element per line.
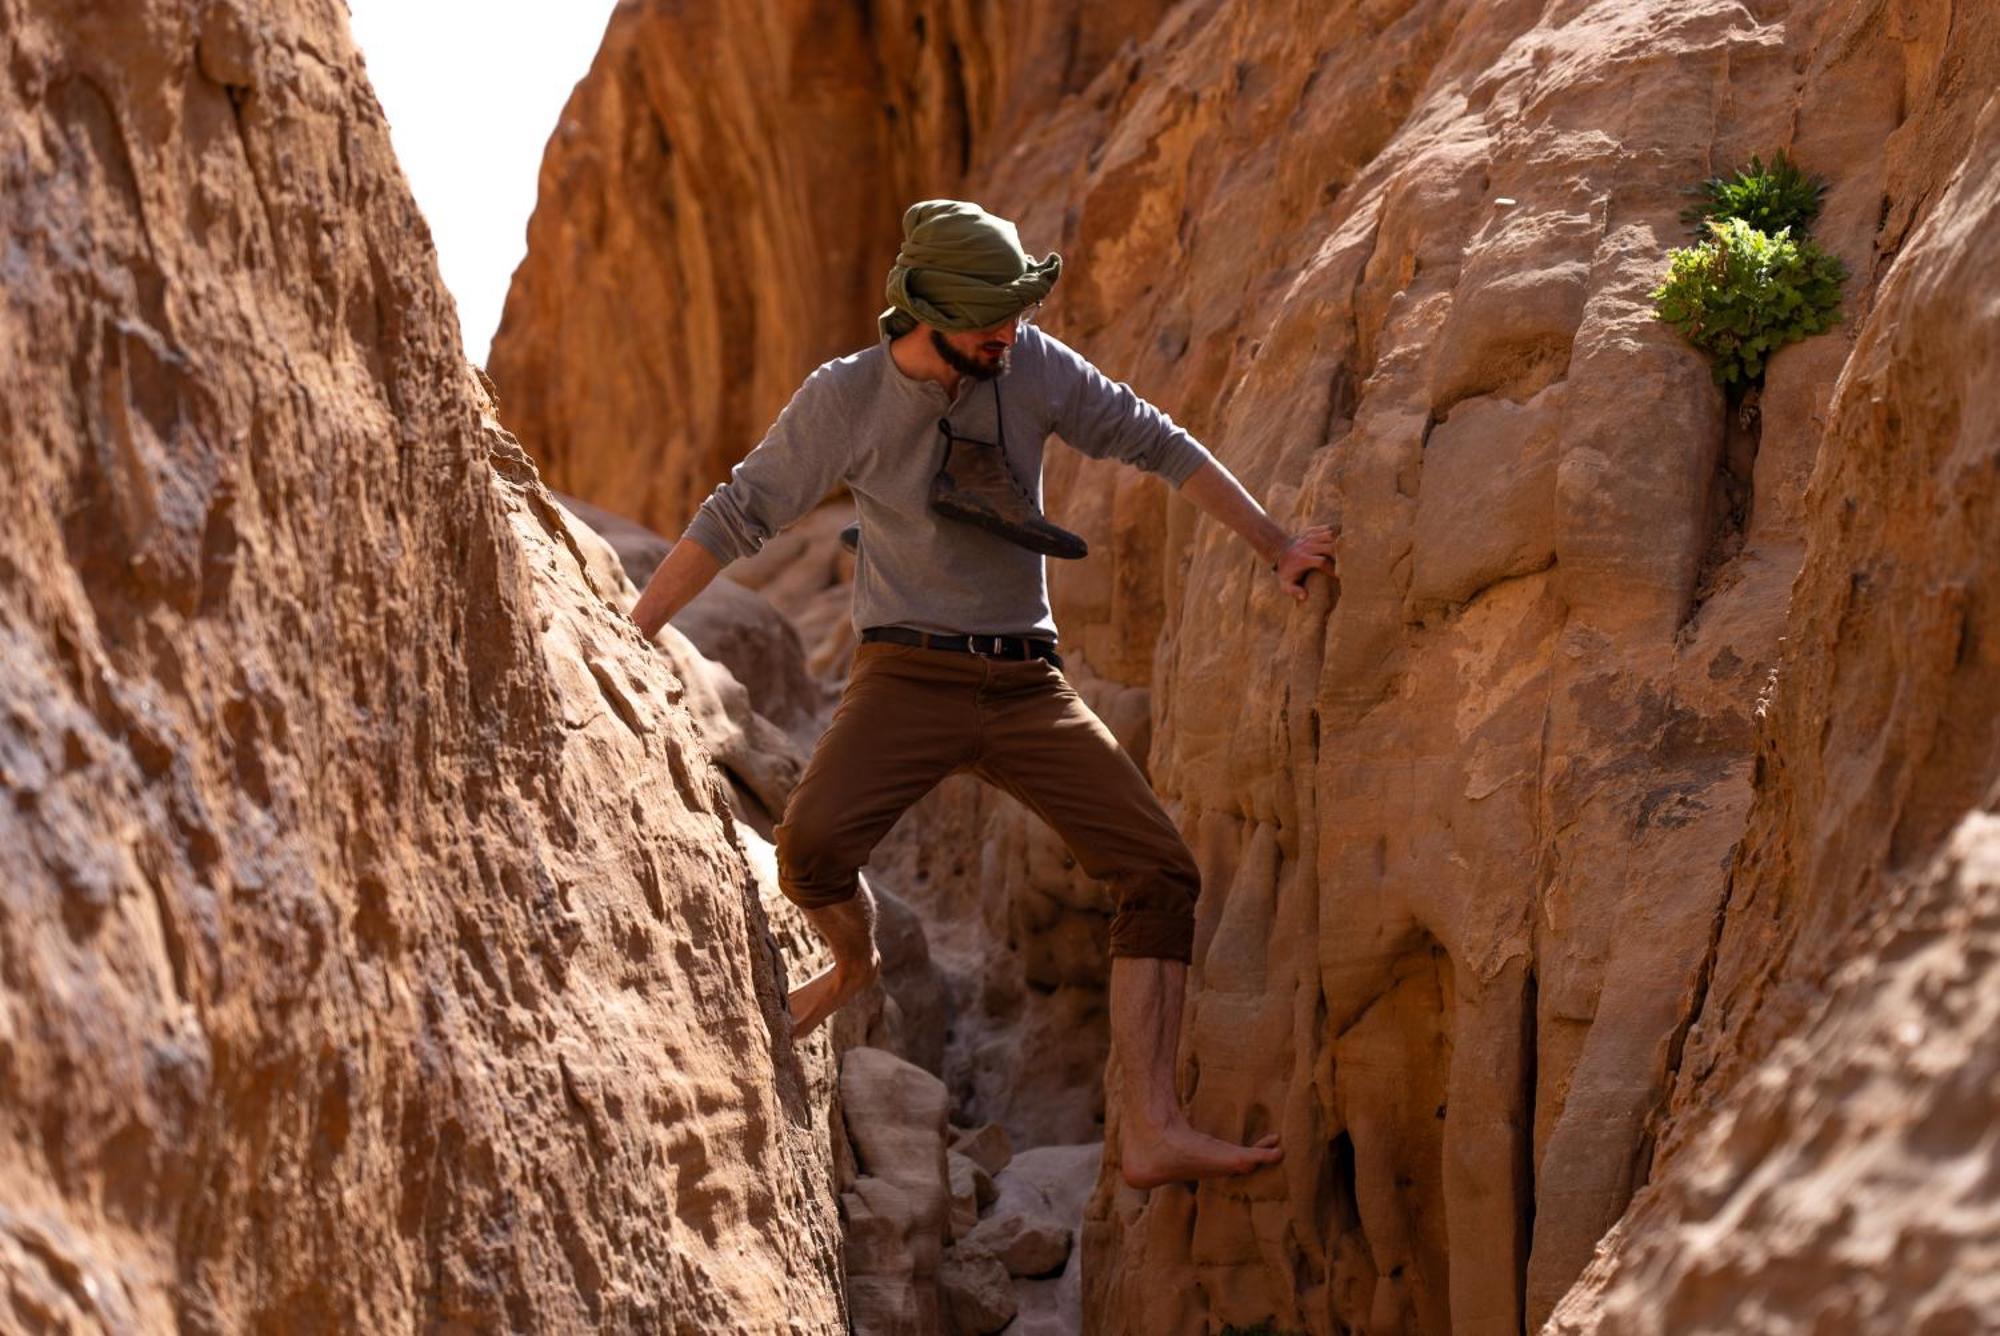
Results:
<point x="1471" y="826"/>
<point x="1836" y="1126"/>
<point x="379" y="952"/>
<point x="1512" y="904"/>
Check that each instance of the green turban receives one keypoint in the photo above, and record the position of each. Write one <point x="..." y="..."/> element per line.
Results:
<point x="961" y="268"/>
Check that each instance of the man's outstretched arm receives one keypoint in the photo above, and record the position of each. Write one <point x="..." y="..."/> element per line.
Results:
<point x="791" y="470"/>
<point x="1107" y="419"/>
<point x="686" y="572"/>
<point x="1215" y="489"/>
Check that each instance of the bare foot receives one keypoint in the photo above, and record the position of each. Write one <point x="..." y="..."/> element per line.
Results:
<point x="822" y="995"/>
<point x="1175" y="1153"/>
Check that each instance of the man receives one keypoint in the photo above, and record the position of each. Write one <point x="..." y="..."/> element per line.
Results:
<point x="934" y="430"/>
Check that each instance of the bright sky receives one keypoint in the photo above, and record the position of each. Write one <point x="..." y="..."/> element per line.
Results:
<point x="473" y="89"/>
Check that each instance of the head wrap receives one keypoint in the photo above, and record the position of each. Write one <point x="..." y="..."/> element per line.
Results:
<point x="961" y="268"/>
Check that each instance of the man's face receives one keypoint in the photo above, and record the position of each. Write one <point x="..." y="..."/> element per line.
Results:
<point x="979" y="353"/>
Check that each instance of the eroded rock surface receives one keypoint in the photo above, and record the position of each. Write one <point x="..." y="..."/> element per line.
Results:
<point x="728" y="622"/>
<point x="380" y="951"/>
<point x="1833" y="1155"/>
<point x="1503" y="876"/>
<point x="1470" y="826"/>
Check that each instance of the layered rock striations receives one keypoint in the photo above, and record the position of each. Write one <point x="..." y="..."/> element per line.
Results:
<point x="380" y="951"/>
<point x="1525" y="878"/>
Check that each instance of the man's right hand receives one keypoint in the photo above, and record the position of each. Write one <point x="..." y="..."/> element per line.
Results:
<point x="684" y="573"/>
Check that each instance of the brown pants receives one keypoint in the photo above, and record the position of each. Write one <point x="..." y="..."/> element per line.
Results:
<point x="911" y="716"/>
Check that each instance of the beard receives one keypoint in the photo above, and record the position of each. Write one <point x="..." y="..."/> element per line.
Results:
<point x="979" y="368"/>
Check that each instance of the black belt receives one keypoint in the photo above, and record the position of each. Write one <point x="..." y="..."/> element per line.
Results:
<point x="987" y="647"/>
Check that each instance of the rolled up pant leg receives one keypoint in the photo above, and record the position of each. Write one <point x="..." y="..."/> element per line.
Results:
<point x="1044" y="745"/>
<point x="900" y="727"/>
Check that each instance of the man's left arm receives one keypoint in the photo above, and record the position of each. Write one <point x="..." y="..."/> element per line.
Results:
<point x="1215" y="489"/>
<point x="1108" y="420"/>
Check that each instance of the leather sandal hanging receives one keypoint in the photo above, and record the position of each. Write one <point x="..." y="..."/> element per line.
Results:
<point x="976" y="485"/>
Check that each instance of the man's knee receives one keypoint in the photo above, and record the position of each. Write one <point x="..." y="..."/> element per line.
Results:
<point x="812" y="871"/>
<point x="1155" y="915"/>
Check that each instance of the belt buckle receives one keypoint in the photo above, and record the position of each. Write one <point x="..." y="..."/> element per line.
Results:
<point x="972" y="643"/>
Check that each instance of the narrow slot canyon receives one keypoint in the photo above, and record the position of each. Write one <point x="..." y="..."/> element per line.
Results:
<point x="1600" y="877"/>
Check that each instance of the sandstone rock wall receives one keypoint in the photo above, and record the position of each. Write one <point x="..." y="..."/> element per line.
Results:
<point x="1469" y="827"/>
<point x="1836" y="1125"/>
<point x="378" y="950"/>
<point x="1478" y="820"/>
<point x="719" y="205"/>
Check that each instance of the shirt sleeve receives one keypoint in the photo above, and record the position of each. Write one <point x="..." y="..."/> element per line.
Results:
<point x="800" y="459"/>
<point x="1106" y="419"/>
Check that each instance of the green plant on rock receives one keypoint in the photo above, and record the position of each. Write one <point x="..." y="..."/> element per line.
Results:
<point x="1770" y="199"/>
<point x="1743" y="294"/>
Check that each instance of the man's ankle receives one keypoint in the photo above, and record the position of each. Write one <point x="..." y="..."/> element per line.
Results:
<point x="857" y="974"/>
<point x="1150" y="1123"/>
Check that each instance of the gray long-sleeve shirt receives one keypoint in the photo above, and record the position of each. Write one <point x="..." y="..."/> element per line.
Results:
<point x="861" y="420"/>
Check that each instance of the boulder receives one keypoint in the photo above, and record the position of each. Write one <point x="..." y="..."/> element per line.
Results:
<point x="971" y="1188"/>
<point x="1064" y="1177"/>
<point x="1028" y="1243"/>
<point x="987" y="1145"/>
<point x="898" y="1213"/>
<point x="978" y="1298"/>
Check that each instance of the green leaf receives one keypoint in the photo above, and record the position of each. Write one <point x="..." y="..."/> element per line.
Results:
<point x="1755" y="284"/>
